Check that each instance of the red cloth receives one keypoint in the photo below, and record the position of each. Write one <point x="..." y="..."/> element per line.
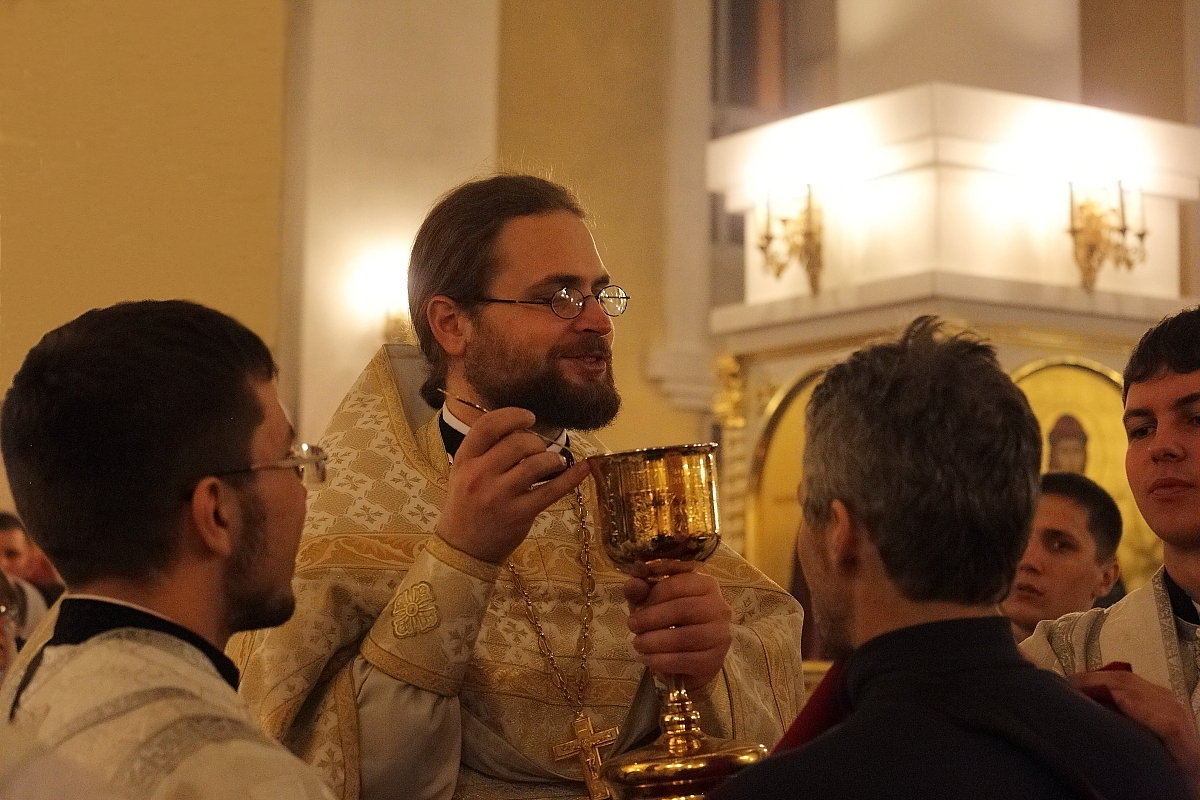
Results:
<point x="1102" y="694"/>
<point x="825" y="708"/>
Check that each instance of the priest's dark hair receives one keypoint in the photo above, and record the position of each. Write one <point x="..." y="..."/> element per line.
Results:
<point x="1173" y="345"/>
<point x="1103" y="515"/>
<point x="454" y="251"/>
<point x="114" y="418"/>
<point x="935" y="453"/>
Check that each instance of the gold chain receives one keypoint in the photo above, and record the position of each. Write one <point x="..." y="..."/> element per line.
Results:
<point x="587" y="585"/>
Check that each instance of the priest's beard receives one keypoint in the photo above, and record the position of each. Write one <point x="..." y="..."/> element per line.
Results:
<point x="506" y="376"/>
<point x="252" y="601"/>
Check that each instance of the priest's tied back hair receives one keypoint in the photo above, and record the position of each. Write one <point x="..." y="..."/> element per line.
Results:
<point x="1173" y="345"/>
<point x="453" y="253"/>
<point x="112" y="420"/>
<point x="935" y="452"/>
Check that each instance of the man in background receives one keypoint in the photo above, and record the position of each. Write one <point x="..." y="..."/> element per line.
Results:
<point x="150" y="458"/>
<point x="1071" y="558"/>
<point x="15" y="553"/>
<point x="920" y="478"/>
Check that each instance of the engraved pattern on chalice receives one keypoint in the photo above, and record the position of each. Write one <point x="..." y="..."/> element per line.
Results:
<point x="657" y="517"/>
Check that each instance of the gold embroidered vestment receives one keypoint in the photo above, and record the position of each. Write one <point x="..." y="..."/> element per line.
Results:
<point x="387" y="610"/>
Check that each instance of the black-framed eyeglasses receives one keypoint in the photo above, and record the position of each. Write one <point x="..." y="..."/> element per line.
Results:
<point x="567" y="303"/>
<point x="308" y="460"/>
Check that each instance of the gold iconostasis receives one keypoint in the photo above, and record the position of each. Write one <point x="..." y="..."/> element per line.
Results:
<point x="1078" y="406"/>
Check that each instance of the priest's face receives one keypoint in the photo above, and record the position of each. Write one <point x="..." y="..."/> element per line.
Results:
<point x="258" y="581"/>
<point x="525" y="355"/>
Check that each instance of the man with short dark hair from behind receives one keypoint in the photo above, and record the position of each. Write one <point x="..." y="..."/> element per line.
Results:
<point x="149" y="456"/>
<point x="920" y="477"/>
<point x="1071" y="558"/>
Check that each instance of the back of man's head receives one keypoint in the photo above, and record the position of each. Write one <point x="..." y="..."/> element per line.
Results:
<point x="453" y="251"/>
<point x="1103" y="515"/>
<point x="114" y="417"/>
<point x="935" y="452"/>
<point x="1173" y="345"/>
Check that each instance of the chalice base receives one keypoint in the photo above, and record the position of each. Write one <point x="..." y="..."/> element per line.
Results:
<point x="683" y="763"/>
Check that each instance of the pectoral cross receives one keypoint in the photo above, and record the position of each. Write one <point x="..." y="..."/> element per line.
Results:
<point x="586" y="747"/>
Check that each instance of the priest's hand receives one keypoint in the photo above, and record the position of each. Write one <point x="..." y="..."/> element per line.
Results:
<point x="681" y="624"/>
<point x="494" y="492"/>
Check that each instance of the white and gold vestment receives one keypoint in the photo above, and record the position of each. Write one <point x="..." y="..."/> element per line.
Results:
<point x="410" y="669"/>
<point x="149" y="717"/>
<point x="1140" y="629"/>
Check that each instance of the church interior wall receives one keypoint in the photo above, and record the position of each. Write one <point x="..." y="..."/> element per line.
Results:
<point x="140" y="157"/>
<point x="583" y="96"/>
<point x="142" y="154"/>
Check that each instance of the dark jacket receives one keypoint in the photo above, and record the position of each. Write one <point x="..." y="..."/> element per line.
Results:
<point x="951" y="710"/>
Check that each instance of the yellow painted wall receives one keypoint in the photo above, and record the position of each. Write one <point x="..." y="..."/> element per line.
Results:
<point x="583" y="99"/>
<point x="140" y="157"/>
<point x="1133" y="56"/>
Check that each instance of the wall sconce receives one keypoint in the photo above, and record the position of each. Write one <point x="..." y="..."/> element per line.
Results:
<point x="1101" y="233"/>
<point x="795" y="238"/>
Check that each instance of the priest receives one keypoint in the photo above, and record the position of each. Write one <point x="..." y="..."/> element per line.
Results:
<point x="459" y="632"/>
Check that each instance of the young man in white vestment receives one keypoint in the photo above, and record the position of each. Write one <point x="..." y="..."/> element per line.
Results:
<point x="150" y="458"/>
<point x="459" y="631"/>
<point x="1155" y="630"/>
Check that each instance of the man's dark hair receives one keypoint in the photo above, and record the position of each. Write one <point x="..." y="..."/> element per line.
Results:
<point x="453" y="254"/>
<point x="1103" y="516"/>
<point x="936" y="453"/>
<point x="1173" y="345"/>
<point x="10" y="521"/>
<point x="114" y="417"/>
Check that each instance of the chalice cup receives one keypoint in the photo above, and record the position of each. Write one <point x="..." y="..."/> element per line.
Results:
<point x="658" y="517"/>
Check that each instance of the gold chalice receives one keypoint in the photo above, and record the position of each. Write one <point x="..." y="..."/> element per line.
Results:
<point x="658" y="517"/>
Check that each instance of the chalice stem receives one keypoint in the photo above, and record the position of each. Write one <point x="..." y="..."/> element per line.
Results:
<point x="680" y="721"/>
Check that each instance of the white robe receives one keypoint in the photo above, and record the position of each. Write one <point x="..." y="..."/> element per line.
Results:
<point x="149" y="715"/>
<point x="35" y="607"/>
<point x="1140" y="629"/>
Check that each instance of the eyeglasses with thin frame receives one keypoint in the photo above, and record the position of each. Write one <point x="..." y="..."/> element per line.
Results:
<point x="567" y="303"/>
<point x="308" y="461"/>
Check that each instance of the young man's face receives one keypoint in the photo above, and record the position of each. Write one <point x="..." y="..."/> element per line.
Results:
<point x="525" y="355"/>
<point x="1059" y="572"/>
<point x="1162" y="425"/>
<point x="14" y="552"/>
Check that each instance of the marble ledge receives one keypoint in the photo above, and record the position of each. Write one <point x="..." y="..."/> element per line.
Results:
<point x="872" y="308"/>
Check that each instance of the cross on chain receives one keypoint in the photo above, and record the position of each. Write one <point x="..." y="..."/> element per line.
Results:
<point x="586" y="747"/>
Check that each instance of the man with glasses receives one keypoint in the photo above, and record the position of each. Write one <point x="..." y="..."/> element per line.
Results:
<point x="459" y="631"/>
<point x="150" y="458"/>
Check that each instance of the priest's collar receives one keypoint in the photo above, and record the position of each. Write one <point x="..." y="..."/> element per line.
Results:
<point x="81" y="617"/>
<point x="454" y="430"/>
<point x="1182" y="604"/>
